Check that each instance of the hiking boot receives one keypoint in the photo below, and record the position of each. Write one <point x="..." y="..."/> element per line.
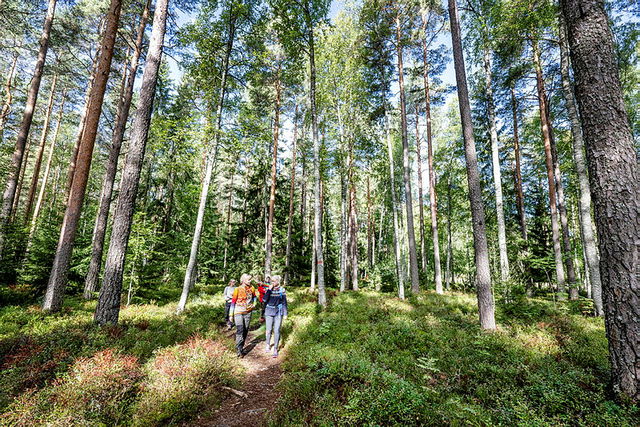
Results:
<point x="267" y="349"/>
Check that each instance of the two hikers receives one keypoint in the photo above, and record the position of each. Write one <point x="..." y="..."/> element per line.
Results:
<point x="244" y="300"/>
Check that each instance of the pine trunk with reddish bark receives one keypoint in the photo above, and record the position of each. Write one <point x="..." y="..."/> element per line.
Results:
<point x="58" y="277"/>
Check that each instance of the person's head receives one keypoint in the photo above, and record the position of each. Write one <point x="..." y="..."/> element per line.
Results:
<point x="232" y="282"/>
<point x="245" y="279"/>
<point x="267" y="279"/>
<point x="275" y="281"/>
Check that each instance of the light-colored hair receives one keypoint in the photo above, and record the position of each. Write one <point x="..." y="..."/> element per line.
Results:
<point x="276" y="279"/>
<point x="245" y="278"/>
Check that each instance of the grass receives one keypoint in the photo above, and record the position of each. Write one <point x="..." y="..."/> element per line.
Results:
<point x="371" y="359"/>
<point x="155" y="368"/>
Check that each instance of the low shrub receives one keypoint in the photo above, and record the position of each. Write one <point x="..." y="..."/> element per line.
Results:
<point x="183" y="380"/>
<point x="97" y="390"/>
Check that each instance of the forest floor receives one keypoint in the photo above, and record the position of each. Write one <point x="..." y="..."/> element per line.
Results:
<point x="262" y="374"/>
<point x="367" y="359"/>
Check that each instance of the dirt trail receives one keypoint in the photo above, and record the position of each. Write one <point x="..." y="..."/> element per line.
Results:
<point x="262" y="374"/>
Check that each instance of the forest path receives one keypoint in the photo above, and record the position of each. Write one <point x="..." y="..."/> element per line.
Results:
<point x="262" y="374"/>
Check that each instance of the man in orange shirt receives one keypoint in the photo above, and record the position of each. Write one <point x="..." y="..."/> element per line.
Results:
<point x="243" y="302"/>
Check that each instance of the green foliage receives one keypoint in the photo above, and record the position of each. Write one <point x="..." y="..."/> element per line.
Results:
<point x="183" y="380"/>
<point x="371" y="359"/>
<point x="154" y="367"/>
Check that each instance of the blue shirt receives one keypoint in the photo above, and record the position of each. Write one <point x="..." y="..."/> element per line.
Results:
<point x="275" y="301"/>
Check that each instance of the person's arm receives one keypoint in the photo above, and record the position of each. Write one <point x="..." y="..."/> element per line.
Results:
<point x="267" y="295"/>
<point x="285" y="310"/>
<point x="234" y="298"/>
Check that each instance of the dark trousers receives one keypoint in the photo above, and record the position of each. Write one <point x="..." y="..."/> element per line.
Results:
<point x="227" y="308"/>
<point x="242" y="329"/>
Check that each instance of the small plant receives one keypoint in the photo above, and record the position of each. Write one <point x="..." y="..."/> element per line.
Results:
<point x="182" y="380"/>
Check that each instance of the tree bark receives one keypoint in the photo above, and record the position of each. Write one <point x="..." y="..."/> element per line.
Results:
<point x="353" y="222"/>
<point x="495" y="162"/>
<point x="546" y="137"/>
<point x="564" y="222"/>
<point x="615" y="183"/>
<point x="23" y="171"/>
<point x="274" y="170"/>
<point x="122" y="115"/>
<point x="292" y="188"/>
<point x="27" y="118"/>
<point x="486" y="304"/>
<point x="394" y="207"/>
<point x="413" y="260"/>
<point x="43" y="141"/>
<point x="47" y="169"/>
<point x="433" y="196"/>
<point x="344" y="230"/>
<point x="423" y="245"/>
<point x="60" y="269"/>
<point x="592" y="259"/>
<point x="370" y="231"/>
<point x="227" y="225"/>
<point x="6" y="108"/>
<point x="81" y="126"/>
<point x="211" y="159"/>
<point x="449" y="262"/>
<point x="108" y="308"/>
<point x="518" y="167"/>
<point x="319" y="256"/>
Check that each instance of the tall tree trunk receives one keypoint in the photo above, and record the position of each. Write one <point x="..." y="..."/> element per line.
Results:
<point x="564" y="222"/>
<point x="83" y="120"/>
<point x="592" y="259"/>
<point x="615" y="183"/>
<point x="413" y="259"/>
<point x="449" y="262"/>
<point x="433" y="197"/>
<point x="303" y="195"/>
<point x="353" y="221"/>
<point x="43" y="142"/>
<point x="108" y="308"/>
<point x="6" y="108"/>
<point x="227" y="225"/>
<point x="546" y="137"/>
<point x="292" y="188"/>
<point x="423" y="245"/>
<point x="211" y="159"/>
<point x="27" y="118"/>
<point x="47" y="169"/>
<point x="518" y="167"/>
<point x="495" y="162"/>
<point x="394" y="207"/>
<point x="318" y="244"/>
<point x="60" y="269"/>
<point x="122" y="115"/>
<point x="370" y="231"/>
<point x="23" y="171"/>
<point x="344" y="231"/>
<point x="486" y="304"/>
<point x="274" y="170"/>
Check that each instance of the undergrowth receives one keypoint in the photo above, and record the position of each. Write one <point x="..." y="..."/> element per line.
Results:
<point x="372" y="359"/>
<point x="155" y="368"/>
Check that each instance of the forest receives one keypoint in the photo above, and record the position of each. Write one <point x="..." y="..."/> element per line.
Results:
<point x="444" y="195"/>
